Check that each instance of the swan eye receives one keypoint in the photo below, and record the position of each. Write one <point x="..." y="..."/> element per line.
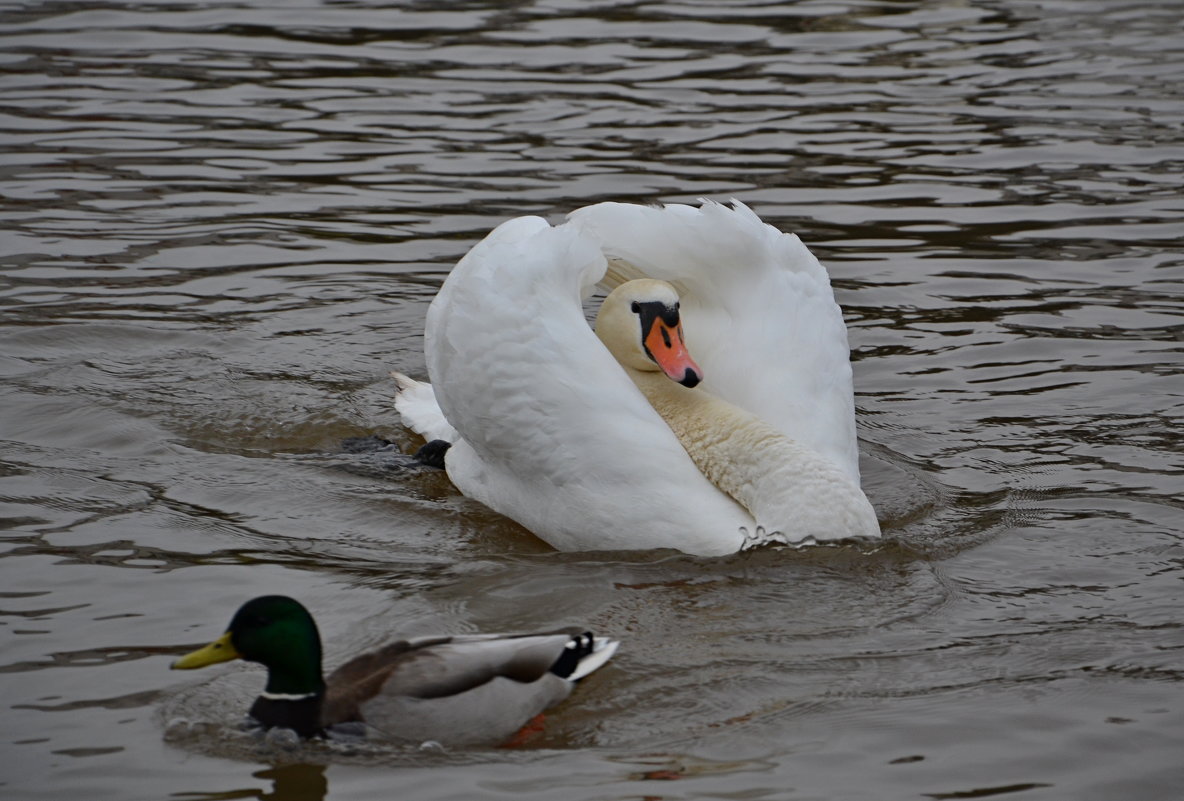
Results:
<point x="636" y="307"/>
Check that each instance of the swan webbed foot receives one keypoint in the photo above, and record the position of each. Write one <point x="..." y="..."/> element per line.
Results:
<point x="432" y="454"/>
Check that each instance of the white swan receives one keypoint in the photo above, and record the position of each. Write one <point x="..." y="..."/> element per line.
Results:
<point x="548" y="429"/>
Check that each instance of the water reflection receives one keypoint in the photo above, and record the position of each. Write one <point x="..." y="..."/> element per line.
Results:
<point x="288" y="783"/>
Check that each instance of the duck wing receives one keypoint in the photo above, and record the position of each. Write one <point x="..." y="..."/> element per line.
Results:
<point x="477" y="688"/>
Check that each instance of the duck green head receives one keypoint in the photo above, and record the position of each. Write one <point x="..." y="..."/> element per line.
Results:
<point x="277" y="632"/>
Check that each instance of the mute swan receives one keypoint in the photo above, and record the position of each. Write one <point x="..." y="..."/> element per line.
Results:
<point x="548" y="428"/>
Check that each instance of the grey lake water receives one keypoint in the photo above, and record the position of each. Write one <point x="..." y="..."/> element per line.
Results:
<point x="223" y="222"/>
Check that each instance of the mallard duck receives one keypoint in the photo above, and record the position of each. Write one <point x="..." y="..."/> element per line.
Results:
<point x="547" y="427"/>
<point x="460" y="689"/>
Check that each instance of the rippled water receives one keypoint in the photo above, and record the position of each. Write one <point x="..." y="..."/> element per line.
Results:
<point x="222" y="228"/>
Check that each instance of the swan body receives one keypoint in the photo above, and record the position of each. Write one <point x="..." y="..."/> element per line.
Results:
<point x="549" y="429"/>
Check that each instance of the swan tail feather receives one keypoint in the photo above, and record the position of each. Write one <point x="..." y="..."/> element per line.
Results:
<point x="416" y="404"/>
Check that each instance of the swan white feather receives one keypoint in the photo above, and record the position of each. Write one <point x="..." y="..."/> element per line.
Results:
<point x="550" y="430"/>
<point x="417" y="401"/>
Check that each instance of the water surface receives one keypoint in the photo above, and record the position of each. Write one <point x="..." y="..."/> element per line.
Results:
<point x="223" y="225"/>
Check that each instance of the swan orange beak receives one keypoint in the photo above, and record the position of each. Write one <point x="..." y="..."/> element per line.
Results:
<point x="664" y="344"/>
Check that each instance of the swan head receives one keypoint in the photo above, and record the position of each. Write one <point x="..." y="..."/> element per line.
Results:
<point x="640" y="325"/>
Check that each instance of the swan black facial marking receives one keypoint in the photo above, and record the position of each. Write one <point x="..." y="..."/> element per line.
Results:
<point x="655" y="309"/>
<point x="648" y="313"/>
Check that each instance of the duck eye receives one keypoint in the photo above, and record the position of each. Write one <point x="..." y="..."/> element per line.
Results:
<point x="636" y="307"/>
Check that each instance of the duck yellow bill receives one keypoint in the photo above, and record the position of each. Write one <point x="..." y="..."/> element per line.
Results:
<point x="220" y="650"/>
